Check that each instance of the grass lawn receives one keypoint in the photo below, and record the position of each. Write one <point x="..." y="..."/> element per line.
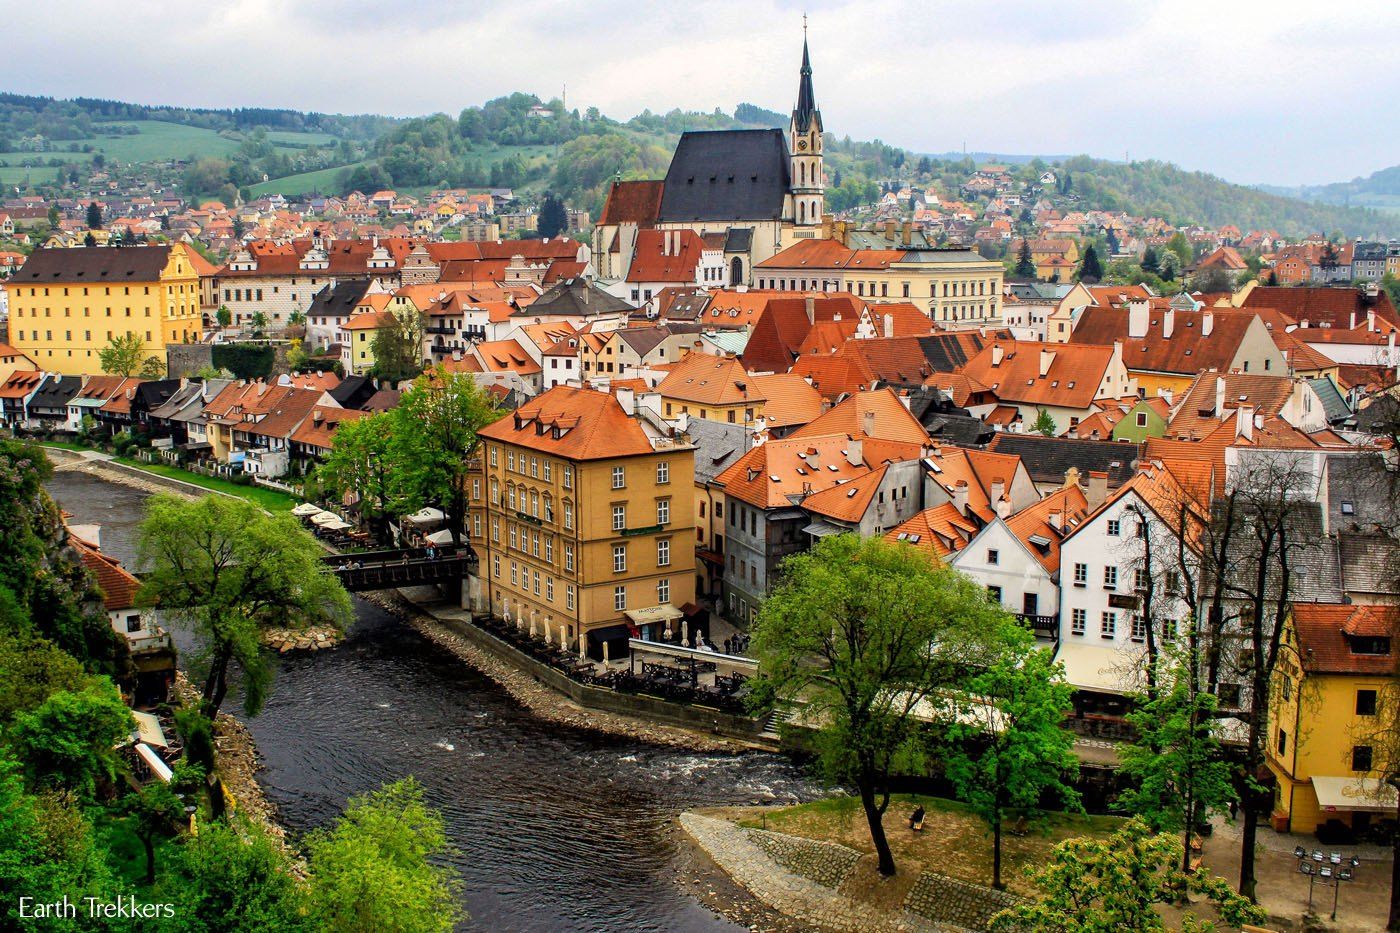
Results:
<point x="15" y="175"/>
<point x="953" y="842"/>
<point x="271" y="499"/>
<point x="323" y="181"/>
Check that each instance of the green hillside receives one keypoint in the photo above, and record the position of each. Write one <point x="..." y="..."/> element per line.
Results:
<point x="1379" y="189"/>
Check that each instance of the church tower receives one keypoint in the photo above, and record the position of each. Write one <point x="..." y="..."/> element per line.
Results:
<point x="808" y="182"/>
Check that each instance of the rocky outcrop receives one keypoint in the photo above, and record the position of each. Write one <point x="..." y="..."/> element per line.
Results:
<point x="283" y="640"/>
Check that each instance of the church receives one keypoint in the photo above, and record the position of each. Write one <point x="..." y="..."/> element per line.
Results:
<point x="748" y="194"/>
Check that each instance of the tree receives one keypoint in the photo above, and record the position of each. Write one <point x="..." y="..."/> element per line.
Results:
<point x="124" y="355"/>
<point x="1177" y="772"/>
<point x="1212" y="280"/>
<point x="89" y="239"/>
<point x="398" y="348"/>
<point x="379" y="868"/>
<point x="1169" y="266"/>
<point x="68" y="741"/>
<point x="1025" y="263"/>
<point x="359" y="468"/>
<point x="434" y="432"/>
<point x="152" y="367"/>
<point x="553" y="219"/>
<point x="234" y="877"/>
<point x="297" y="357"/>
<point x="1150" y="261"/>
<point x="153" y="809"/>
<point x="258" y="321"/>
<point x="1045" y="424"/>
<point x="1091" y="269"/>
<point x="1094" y="886"/>
<point x="94" y="216"/>
<point x="1008" y="745"/>
<point x="848" y="629"/>
<point x="1179" y="245"/>
<point x="223" y="316"/>
<point x="229" y="569"/>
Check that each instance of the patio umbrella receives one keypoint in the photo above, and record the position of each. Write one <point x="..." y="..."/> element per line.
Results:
<point x="440" y="537"/>
<point x="336" y="524"/>
<point x="425" y="516"/>
<point x="325" y="518"/>
<point x="306" y="510"/>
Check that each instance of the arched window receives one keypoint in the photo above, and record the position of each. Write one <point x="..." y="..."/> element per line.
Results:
<point x="736" y="271"/>
<point x="802" y="173"/>
<point x="801" y="212"/>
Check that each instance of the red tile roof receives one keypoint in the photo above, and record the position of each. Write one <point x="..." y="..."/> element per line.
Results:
<point x="666" y="256"/>
<point x="118" y="587"/>
<point x="637" y="202"/>
<point x="1322" y="630"/>
<point x="573" y="423"/>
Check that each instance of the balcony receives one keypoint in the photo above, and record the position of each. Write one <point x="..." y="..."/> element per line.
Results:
<point x="1042" y="626"/>
<point x="440" y="329"/>
<point x="439" y="348"/>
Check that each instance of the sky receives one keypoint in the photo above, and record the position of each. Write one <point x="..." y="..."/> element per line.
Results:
<point x="1280" y="92"/>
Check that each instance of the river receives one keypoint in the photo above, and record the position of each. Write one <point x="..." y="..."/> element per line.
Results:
<point x="554" y="829"/>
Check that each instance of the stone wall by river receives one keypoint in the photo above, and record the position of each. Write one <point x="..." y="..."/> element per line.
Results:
<point x="556" y="829"/>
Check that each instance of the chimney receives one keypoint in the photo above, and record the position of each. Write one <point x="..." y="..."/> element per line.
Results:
<point x="1370" y="319"/>
<point x="812" y="458"/>
<point x="1168" y="323"/>
<point x="628" y="400"/>
<point x="998" y="490"/>
<point x="1166" y="395"/>
<point x="1207" y="323"/>
<point x="1244" y="423"/>
<point x="317" y="416"/>
<point x="889" y="325"/>
<point x="867" y="423"/>
<point x="1046" y="358"/>
<point x="1097" y="490"/>
<point x="855" y="451"/>
<point x="907" y="234"/>
<point x="1220" y="397"/>
<point x="997" y="354"/>
<point x="811" y="306"/>
<point x="1137" y="318"/>
<point x="960" y="496"/>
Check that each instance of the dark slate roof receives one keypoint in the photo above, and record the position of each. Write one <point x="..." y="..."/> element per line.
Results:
<point x="643" y="340"/>
<point x="101" y="264"/>
<point x="189" y="394"/>
<point x="959" y="430"/>
<point x="717" y="445"/>
<point x="1332" y="401"/>
<point x="806" y="112"/>
<point x="1369" y="563"/>
<point x="352" y="392"/>
<point x="1380" y="417"/>
<point x="55" y="392"/>
<point x="738" y="240"/>
<point x="726" y="175"/>
<point x="152" y="395"/>
<point x="1315" y="573"/>
<point x="947" y="353"/>
<point x="1048" y="458"/>
<point x="575" y="296"/>
<point x="1360" y="493"/>
<point x="338" y="300"/>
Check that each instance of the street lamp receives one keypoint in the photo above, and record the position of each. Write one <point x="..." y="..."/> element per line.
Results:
<point x="1331" y="868"/>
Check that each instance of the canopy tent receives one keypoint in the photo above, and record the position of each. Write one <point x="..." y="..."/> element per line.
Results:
<point x="148" y="730"/>
<point x="325" y="518"/>
<point x="440" y="537"/>
<point x="1355" y="795"/>
<point x="425" y="516"/>
<point x="306" y="510"/>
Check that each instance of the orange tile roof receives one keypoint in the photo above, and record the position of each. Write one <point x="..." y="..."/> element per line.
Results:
<point x="787" y="399"/>
<point x="706" y="379"/>
<point x="118" y="587"/>
<point x="1066" y="505"/>
<point x="651" y="262"/>
<point x="879" y="414"/>
<point x="941" y="530"/>
<point x="1322" y="630"/>
<point x="573" y="423"/>
<point x="499" y="356"/>
<point x="847" y="501"/>
<point x="22" y="382"/>
<point x="1072" y="380"/>
<point x="319" y="429"/>
<point x="830" y="254"/>
<point x="767" y="475"/>
<point x="369" y="320"/>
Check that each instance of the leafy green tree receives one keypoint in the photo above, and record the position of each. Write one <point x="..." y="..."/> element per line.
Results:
<point x="434" y="435"/>
<point x="67" y="742"/>
<point x="124" y="355"/>
<point x="1025" y="263"/>
<point x="1177" y="772"/>
<point x="223" y="316"/>
<point x="1169" y="266"/>
<point x="297" y="357"/>
<point x="1091" y="269"/>
<point x="360" y="465"/>
<point x="379" y="868"/>
<point x="849" y="629"/>
<point x="153" y="811"/>
<point x="94" y="216"/>
<point x="152" y="367"/>
<point x="32" y="669"/>
<point x="1149" y="260"/>
<point x="1045" y="424"/>
<point x="233" y="878"/>
<point x="258" y="322"/>
<point x="1179" y="245"/>
<point x="229" y="569"/>
<point x="1008" y="747"/>
<point x="210" y="371"/>
<point x="398" y="349"/>
<point x="1117" y="884"/>
<point x="553" y="219"/>
<point x="296" y="319"/>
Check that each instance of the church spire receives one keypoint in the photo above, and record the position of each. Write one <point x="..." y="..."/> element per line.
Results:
<point x="806" y="114"/>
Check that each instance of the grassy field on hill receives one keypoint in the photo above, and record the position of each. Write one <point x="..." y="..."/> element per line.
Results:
<point x="324" y="181"/>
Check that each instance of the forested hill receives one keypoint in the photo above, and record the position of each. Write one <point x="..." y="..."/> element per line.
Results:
<point x="1379" y="189"/>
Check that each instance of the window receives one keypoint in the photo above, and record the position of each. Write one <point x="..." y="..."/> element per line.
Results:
<point x="1361" y="758"/>
<point x="663" y="511"/>
<point x="496" y="566"/>
<point x="663" y="591"/>
<point x="619" y="598"/>
<point x="476" y="489"/>
<point x="1108" y="625"/>
<point x="510" y="460"/>
<point x="549" y="549"/>
<point x="569" y="558"/>
<point x="568" y="515"/>
<point x="1142" y="419"/>
<point x="513" y="536"/>
<point x="534" y="503"/>
<point x="1365" y="702"/>
<point x="537" y="583"/>
<point x="535" y="466"/>
<point x="993" y="556"/>
<point x="568" y="477"/>
<point x="495" y="529"/>
<point x="1110" y="578"/>
<point x="548" y="470"/>
<point x="663" y="473"/>
<point x="549" y="589"/>
<point x="514" y="573"/>
<point x="1229" y="695"/>
<point x="619" y="517"/>
<point x="1139" y="627"/>
<point x="1078" y="621"/>
<point x="1139" y="578"/>
<point x="510" y="497"/>
<point x="476" y="526"/>
<point x="1114" y="527"/>
<point x="568" y="596"/>
<point x="619" y="558"/>
<point x="663" y="553"/>
<point x="1081" y="574"/>
<point x="1282" y="743"/>
<point x="133" y="623"/>
<point x="995" y="593"/>
<point x="534" y="543"/>
<point x="619" y="477"/>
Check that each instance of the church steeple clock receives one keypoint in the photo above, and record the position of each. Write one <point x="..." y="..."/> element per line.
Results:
<point x="808" y="182"/>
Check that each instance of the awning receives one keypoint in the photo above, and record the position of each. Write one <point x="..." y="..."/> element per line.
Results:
<point x="159" y="768"/>
<point x="820" y="529"/>
<point x="425" y="516"/>
<point x="148" y="730"/>
<point x="196" y="445"/>
<point x="440" y="537"/>
<point x="306" y="510"/>
<point x="1090" y="667"/>
<point x="654" y="615"/>
<point x="1355" y="795"/>
<point x="713" y="557"/>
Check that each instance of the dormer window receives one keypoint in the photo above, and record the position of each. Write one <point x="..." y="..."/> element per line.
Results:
<point x="1370" y="644"/>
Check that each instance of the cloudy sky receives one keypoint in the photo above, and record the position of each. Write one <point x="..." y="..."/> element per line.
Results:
<point x="1283" y="91"/>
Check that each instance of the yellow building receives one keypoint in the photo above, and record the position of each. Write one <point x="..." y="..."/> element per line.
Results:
<point x="68" y="304"/>
<point x="718" y="388"/>
<point x="357" y="350"/>
<point x="583" y="518"/>
<point x="1327" y="702"/>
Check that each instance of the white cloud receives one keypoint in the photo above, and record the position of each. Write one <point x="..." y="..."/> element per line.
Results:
<point x="1283" y="91"/>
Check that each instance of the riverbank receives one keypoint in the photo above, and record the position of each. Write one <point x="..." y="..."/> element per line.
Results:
<point x="539" y="699"/>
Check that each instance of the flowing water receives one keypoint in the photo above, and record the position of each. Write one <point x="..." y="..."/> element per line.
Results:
<point x="554" y="829"/>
